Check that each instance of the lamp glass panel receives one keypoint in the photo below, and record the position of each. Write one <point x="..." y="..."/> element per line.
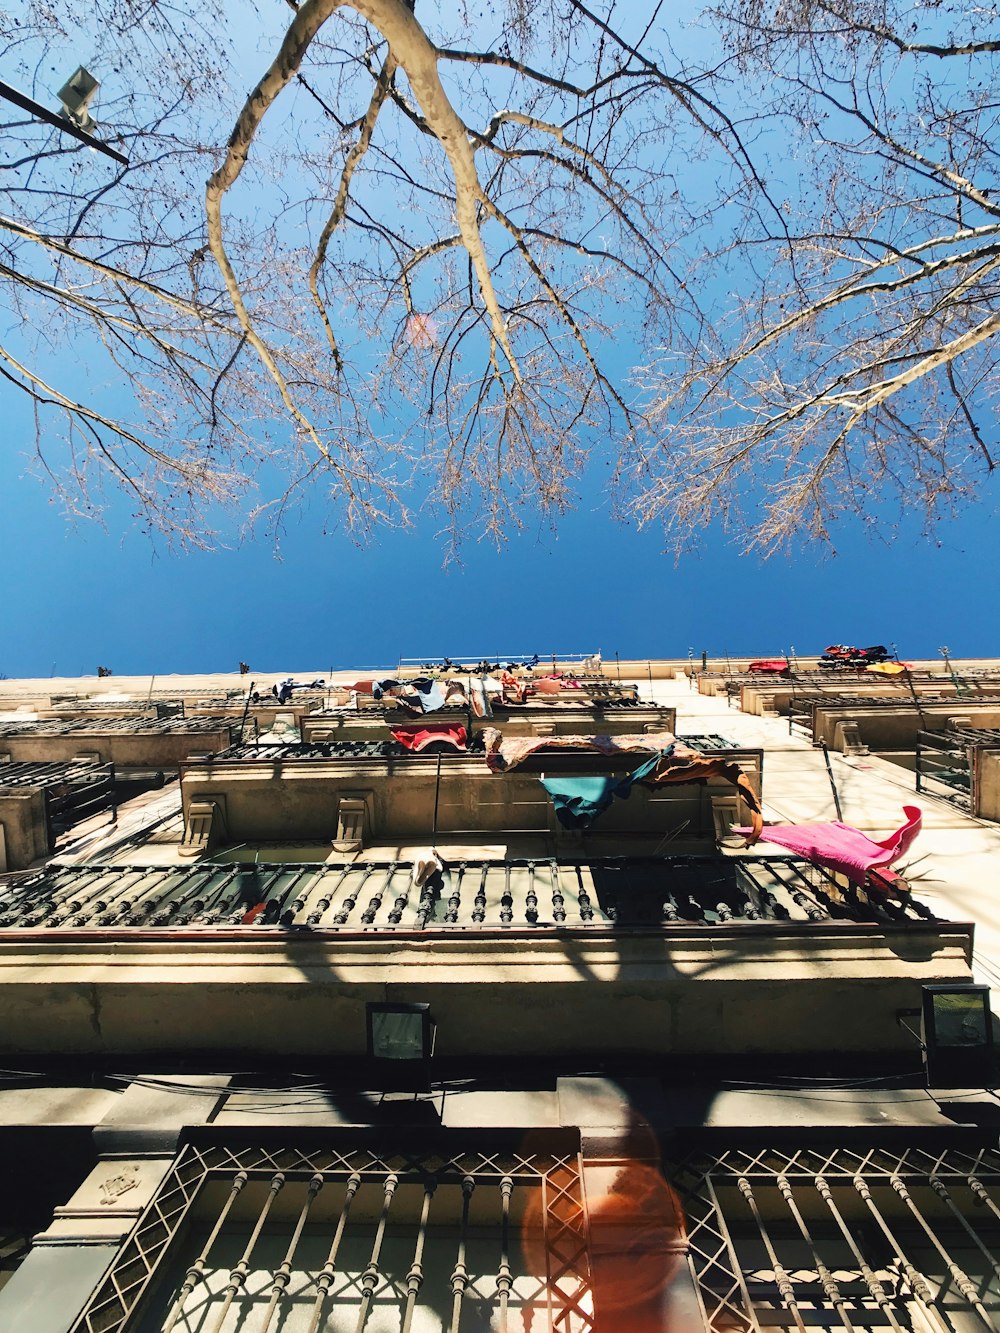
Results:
<point x="960" y="1019"/>
<point x="398" y="1036"/>
<point x="77" y="91"/>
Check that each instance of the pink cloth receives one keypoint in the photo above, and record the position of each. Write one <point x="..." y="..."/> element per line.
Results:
<point x="546" y="685"/>
<point x="843" y="848"/>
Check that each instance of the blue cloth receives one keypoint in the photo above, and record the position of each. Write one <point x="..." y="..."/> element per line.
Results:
<point x="432" y="695"/>
<point x="578" y="801"/>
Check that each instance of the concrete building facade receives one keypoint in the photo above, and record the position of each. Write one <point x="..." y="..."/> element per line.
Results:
<point x="429" y="999"/>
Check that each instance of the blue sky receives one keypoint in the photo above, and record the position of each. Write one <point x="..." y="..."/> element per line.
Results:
<point x="76" y="596"/>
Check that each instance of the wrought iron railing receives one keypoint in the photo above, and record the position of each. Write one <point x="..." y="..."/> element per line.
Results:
<point x="102" y="725"/>
<point x="355" y="1238"/>
<point x="855" y="1237"/>
<point x="621" y="892"/>
<point x="850" y="1237"/>
<point x="73" y="790"/>
<point x="309" y="751"/>
<point x="90" y="793"/>
<point x="41" y="774"/>
<point x="943" y="768"/>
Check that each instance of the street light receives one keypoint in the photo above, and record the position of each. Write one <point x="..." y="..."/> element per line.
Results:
<point x="76" y="95"/>
<point x="74" y="119"/>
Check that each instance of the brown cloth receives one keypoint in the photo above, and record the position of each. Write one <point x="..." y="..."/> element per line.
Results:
<point x="679" y="762"/>
<point x="504" y="752"/>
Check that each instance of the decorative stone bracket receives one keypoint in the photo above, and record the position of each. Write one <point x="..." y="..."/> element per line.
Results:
<point x="354" y="821"/>
<point x="204" y="827"/>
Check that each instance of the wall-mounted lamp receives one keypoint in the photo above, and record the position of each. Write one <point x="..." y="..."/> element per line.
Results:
<point x="400" y="1032"/>
<point x="956" y="1035"/>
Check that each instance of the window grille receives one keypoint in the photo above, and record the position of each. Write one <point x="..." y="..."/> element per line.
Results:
<point x="845" y="1239"/>
<point x="298" y="1242"/>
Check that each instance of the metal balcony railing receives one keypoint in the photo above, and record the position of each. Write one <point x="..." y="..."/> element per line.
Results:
<point x="353" y="1238"/>
<point x="620" y="892"/>
<point x="311" y="751"/>
<point x="945" y="762"/>
<point x="102" y="725"/>
<point x="45" y="775"/>
<point x="73" y="791"/>
<point x="943" y="767"/>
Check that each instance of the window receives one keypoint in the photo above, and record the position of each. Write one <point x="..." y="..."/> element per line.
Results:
<point x="292" y="1240"/>
<point x="846" y="1239"/>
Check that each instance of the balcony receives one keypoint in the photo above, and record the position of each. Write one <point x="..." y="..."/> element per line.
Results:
<point x="365" y="793"/>
<point x="126" y="742"/>
<point x="40" y="801"/>
<point x="567" y="716"/>
<point x="886" y="723"/>
<point x="517" y="957"/>
<point x="767" y="694"/>
<point x="962" y="766"/>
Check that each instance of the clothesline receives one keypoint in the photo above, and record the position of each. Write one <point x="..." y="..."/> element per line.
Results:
<point x="501" y="657"/>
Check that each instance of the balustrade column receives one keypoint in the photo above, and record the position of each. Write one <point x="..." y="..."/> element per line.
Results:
<point x="196" y="1272"/>
<point x="415" y="1276"/>
<point x="238" y="1275"/>
<point x="325" y="1277"/>
<point x="460" y="1274"/>
<point x="282" y="1274"/>
<point x="370" y="1277"/>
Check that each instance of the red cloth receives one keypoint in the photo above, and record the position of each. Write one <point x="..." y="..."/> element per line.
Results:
<point x="511" y="685"/>
<point x="843" y="848"/>
<point x="418" y="738"/>
<point x="769" y="666"/>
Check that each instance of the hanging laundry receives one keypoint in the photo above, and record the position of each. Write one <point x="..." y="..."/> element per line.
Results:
<point x="479" y="698"/>
<point x="890" y="668"/>
<point x="546" y="685"/>
<point x="578" y="801"/>
<point x="455" y="695"/>
<point x="426" y="864"/>
<point x="418" y="738"/>
<point x="421" y="696"/>
<point x="513" y="687"/>
<point x="693" y="766"/>
<point x="674" y="761"/>
<point x="841" y="847"/>
<point x="503" y="753"/>
<point x="769" y="666"/>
